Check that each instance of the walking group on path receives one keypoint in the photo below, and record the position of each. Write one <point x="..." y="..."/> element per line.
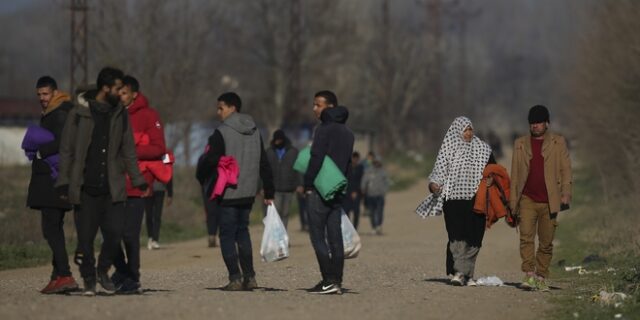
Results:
<point x="105" y="157"/>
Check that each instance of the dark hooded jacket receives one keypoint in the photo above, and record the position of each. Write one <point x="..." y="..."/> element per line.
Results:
<point x="332" y="138"/>
<point x="76" y="140"/>
<point x="41" y="192"/>
<point x="285" y="179"/>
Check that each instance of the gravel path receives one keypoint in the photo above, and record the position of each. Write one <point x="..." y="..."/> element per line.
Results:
<point x="399" y="275"/>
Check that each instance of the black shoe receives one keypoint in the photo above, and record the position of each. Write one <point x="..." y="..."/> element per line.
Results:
<point x="233" y="285"/>
<point x="317" y="287"/>
<point x="105" y="283"/>
<point x="326" y="288"/>
<point x="118" y="279"/>
<point x="130" y="286"/>
<point x="89" y="289"/>
<point x="250" y="283"/>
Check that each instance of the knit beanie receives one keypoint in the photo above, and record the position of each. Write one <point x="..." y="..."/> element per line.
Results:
<point x="538" y="114"/>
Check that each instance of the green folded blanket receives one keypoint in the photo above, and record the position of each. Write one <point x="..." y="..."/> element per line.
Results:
<point x="329" y="182"/>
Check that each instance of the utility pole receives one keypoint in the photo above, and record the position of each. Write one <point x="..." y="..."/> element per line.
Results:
<point x="78" y="44"/>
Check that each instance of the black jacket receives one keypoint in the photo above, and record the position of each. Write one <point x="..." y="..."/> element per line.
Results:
<point x="332" y="138"/>
<point x="41" y="191"/>
<point x="285" y="179"/>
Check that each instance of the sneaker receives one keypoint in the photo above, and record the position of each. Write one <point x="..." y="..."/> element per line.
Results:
<point x="129" y="286"/>
<point x="89" y="289"/>
<point x="528" y="283"/>
<point x="471" y="282"/>
<point x="317" y="287"/>
<point x="50" y="285"/>
<point x="233" y="285"/>
<point x="378" y="231"/>
<point x="250" y="283"/>
<point x="118" y="279"/>
<point x="457" y="280"/>
<point x="212" y="242"/>
<point x="327" y="288"/>
<point x="105" y="283"/>
<point x="150" y="244"/>
<point x="155" y="245"/>
<point x="541" y="285"/>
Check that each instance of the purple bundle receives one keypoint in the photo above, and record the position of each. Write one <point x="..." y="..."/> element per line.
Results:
<point x="35" y="137"/>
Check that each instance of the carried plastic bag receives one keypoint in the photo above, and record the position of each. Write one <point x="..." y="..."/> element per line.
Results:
<point x="275" y="241"/>
<point x="350" y="238"/>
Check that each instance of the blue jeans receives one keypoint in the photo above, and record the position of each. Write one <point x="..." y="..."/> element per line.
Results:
<point x="376" y="209"/>
<point x="325" y="219"/>
<point x="235" y="241"/>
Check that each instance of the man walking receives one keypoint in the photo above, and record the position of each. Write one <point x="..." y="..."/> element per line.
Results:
<point x="97" y="149"/>
<point x="540" y="188"/>
<point x="352" y="200"/>
<point x="149" y="142"/>
<point x="335" y="140"/>
<point x="239" y="138"/>
<point x="282" y="155"/>
<point x="55" y="107"/>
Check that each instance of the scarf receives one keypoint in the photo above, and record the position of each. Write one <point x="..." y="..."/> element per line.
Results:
<point x="458" y="168"/>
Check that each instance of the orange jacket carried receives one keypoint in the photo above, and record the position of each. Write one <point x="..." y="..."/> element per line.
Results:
<point x="493" y="201"/>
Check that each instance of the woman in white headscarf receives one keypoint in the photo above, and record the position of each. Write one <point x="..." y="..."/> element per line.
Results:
<point x="454" y="182"/>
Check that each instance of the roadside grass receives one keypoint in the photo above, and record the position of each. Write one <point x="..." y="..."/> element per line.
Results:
<point x="407" y="168"/>
<point x="603" y="239"/>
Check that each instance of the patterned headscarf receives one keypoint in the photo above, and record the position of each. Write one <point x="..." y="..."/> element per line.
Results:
<point x="458" y="168"/>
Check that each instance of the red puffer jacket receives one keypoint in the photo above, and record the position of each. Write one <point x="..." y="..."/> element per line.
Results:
<point x="145" y="122"/>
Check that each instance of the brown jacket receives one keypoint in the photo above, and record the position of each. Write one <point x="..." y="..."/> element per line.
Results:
<point x="557" y="169"/>
<point x="76" y="138"/>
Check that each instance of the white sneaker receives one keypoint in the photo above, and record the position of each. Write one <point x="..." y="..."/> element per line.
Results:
<point x="155" y="245"/>
<point x="457" y="280"/>
<point x="150" y="244"/>
<point x="471" y="283"/>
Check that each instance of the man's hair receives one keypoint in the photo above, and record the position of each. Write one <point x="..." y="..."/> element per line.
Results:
<point x="131" y="82"/>
<point x="231" y="99"/>
<point x="356" y="154"/>
<point x="108" y="76"/>
<point x="47" y="81"/>
<point x="329" y="96"/>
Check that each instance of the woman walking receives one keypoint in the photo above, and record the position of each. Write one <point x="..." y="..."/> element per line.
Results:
<point x="454" y="182"/>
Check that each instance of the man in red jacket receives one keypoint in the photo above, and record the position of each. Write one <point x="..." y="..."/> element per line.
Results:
<point x="149" y="139"/>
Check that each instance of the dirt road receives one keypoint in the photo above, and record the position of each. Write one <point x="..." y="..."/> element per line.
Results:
<point x="399" y="275"/>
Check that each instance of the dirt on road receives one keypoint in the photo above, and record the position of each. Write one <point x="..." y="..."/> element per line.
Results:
<point x="399" y="275"/>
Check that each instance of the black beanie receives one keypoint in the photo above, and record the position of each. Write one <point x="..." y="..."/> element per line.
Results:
<point x="538" y="114"/>
<point x="278" y="135"/>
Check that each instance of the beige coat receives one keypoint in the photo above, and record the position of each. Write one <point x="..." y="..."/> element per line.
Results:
<point x="557" y="169"/>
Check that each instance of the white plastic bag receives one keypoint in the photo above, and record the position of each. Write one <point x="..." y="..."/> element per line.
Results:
<point x="275" y="241"/>
<point x="350" y="238"/>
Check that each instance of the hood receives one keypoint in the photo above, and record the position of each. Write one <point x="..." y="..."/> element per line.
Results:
<point x="279" y="134"/>
<point x="88" y="98"/>
<point x="337" y="114"/>
<point x="140" y="102"/>
<point x="242" y="123"/>
<point x="56" y="101"/>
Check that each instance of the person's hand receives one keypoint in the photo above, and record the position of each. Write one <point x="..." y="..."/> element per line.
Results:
<point x="565" y="199"/>
<point x="169" y="201"/>
<point x="435" y="188"/>
<point x="63" y="192"/>
<point x="300" y="189"/>
<point x="146" y="191"/>
<point x="268" y="202"/>
<point x="489" y="181"/>
<point x="354" y="195"/>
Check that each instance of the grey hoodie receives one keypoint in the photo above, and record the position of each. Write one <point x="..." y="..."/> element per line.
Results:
<point x="242" y="141"/>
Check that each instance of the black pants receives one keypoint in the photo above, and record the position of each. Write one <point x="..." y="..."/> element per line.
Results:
<point x="325" y="219"/>
<point x="212" y="211"/>
<point x="53" y="232"/>
<point x="352" y="205"/>
<point x="131" y="240"/>
<point x="153" y="212"/>
<point x="235" y="241"/>
<point x="465" y="230"/>
<point x="98" y="212"/>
